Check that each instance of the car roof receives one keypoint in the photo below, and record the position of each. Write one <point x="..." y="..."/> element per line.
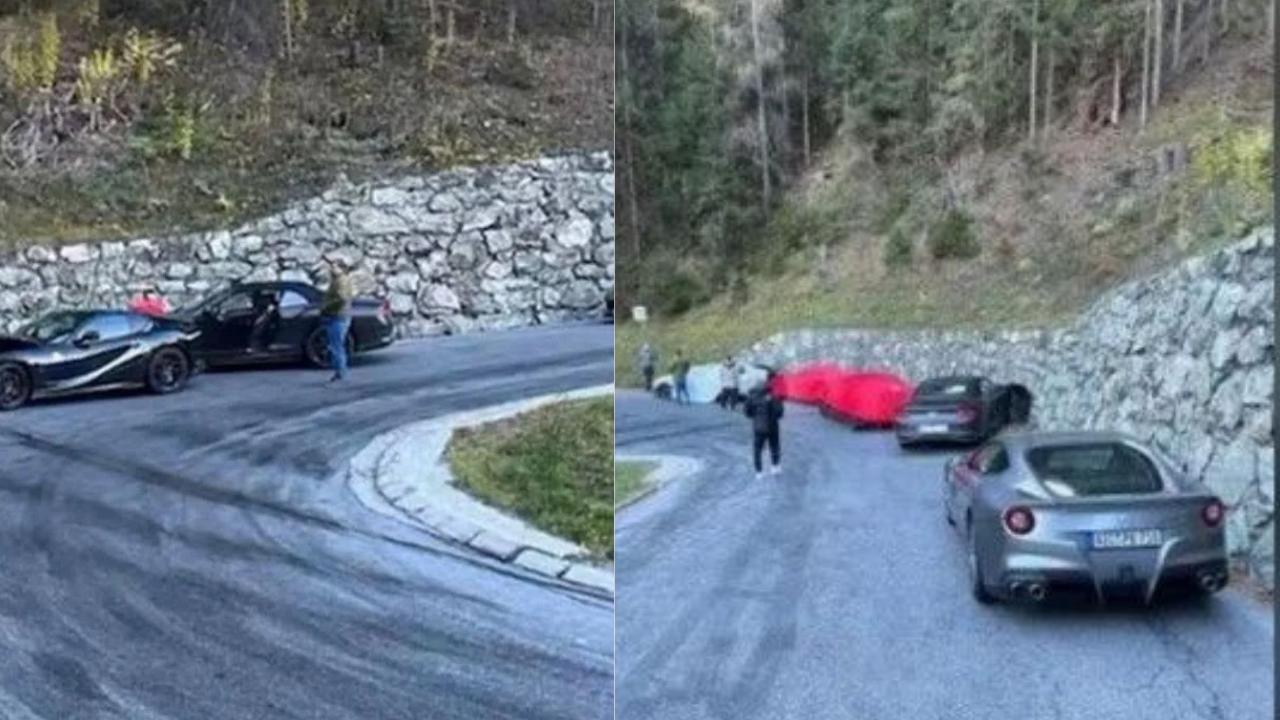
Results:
<point x="948" y="379"/>
<point x="1024" y="439"/>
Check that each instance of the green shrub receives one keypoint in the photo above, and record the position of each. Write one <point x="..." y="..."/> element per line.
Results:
<point x="675" y="291"/>
<point x="1241" y="156"/>
<point x="898" y="250"/>
<point x="952" y="237"/>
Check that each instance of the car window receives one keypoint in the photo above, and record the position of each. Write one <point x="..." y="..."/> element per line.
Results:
<point x="53" y="326"/>
<point x="991" y="459"/>
<point x="1095" y="469"/>
<point x="238" y="302"/>
<point x="292" y="299"/>
<point x="947" y="387"/>
<point x="996" y="460"/>
<point x="108" y="327"/>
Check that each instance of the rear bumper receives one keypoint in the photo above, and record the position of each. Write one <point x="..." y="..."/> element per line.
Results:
<point x="1105" y="575"/>
<point x="383" y="336"/>
<point x="912" y="434"/>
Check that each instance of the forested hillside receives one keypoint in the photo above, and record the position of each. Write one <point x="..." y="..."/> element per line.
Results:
<point x="123" y="116"/>
<point x="920" y="162"/>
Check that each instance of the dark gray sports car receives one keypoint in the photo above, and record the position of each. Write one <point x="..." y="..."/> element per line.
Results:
<point x="1048" y="512"/>
<point x="961" y="409"/>
<point x="71" y="352"/>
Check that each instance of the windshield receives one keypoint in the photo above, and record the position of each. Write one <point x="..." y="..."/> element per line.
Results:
<point x="1094" y="469"/>
<point x="210" y="299"/>
<point x="947" y="387"/>
<point x="53" y="326"/>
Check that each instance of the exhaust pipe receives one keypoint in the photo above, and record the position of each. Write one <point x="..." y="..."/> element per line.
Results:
<point x="1036" y="591"/>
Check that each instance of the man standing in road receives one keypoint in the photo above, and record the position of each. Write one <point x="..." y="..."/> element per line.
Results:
<point x="648" y="361"/>
<point x="682" y="378"/>
<point x="729" y="372"/>
<point x="335" y="313"/>
<point x="765" y="410"/>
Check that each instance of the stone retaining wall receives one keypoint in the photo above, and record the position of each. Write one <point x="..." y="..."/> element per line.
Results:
<point x="467" y="249"/>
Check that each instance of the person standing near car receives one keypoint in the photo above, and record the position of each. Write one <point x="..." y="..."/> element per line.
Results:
<point x="648" y="361"/>
<point x="765" y="411"/>
<point x="335" y="313"/>
<point x="266" y="309"/>
<point x="729" y="372"/>
<point x="682" y="378"/>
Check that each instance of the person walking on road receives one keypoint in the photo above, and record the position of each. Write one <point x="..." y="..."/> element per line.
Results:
<point x="335" y="313"/>
<point x="648" y="361"/>
<point x="765" y="410"/>
<point x="682" y="378"/>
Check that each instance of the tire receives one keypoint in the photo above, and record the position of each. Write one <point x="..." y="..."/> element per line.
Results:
<point x="977" y="587"/>
<point x="15" y="386"/>
<point x="168" y="371"/>
<point x="317" y="349"/>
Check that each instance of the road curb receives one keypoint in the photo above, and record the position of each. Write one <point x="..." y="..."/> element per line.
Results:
<point x="405" y="470"/>
<point x="670" y="468"/>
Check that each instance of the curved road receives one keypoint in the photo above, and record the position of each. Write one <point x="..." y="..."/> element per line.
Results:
<point x="837" y="591"/>
<point x="200" y="556"/>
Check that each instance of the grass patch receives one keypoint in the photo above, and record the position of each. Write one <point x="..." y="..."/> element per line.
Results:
<point x="552" y="466"/>
<point x="630" y="479"/>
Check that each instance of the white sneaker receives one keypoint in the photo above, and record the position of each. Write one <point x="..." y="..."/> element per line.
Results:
<point x="777" y="469"/>
<point x="759" y="476"/>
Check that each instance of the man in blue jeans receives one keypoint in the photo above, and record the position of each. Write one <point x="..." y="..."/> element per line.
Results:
<point x="335" y="313"/>
<point x="682" y="378"/>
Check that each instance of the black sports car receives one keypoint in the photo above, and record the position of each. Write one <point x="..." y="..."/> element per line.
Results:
<point x="272" y="322"/>
<point x="962" y="409"/>
<point x="72" y="352"/>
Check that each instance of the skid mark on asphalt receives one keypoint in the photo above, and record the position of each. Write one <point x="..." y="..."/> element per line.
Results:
<point x="211" y="493"/>
<point x="748" y="619"/>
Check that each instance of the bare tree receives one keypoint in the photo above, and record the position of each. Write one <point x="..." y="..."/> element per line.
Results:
<point x="1158" y="60"/>
<point x="762" y="119"/>
<point x="1177" y="35"/>
<point x="1146" y="62"/>
<point x="1035" y="68"/>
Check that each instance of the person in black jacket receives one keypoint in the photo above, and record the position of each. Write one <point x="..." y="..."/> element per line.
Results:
<point x="765" y="411"/>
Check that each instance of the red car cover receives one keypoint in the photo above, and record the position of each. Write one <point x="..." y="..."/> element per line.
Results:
<point x="806" y="383"/>
<point x="867" y="398"/>
<point x="860" y="396"/>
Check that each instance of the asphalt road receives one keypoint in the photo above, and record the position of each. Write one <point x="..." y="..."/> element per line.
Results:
<point x="837" y="591"/>
<point x="200" y="556"/>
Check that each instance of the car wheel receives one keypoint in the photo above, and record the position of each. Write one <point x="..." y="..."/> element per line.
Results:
<point x="15" y="386"/>
<point x="318" y="348"/>
<point x="168" y="371"/>
<point x="976" y="584"/>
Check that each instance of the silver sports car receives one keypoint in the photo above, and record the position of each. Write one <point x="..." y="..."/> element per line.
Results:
<point x="1048" y="512"/>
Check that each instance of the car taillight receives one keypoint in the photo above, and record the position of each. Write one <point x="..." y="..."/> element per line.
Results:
<point x="1213" y="513"/>
<point x="967" y="412"/>
<point x="1019" y="520"/>
<point x="384" y="311"/>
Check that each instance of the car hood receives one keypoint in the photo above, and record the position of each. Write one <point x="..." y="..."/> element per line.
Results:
<point x="12" y="343"/>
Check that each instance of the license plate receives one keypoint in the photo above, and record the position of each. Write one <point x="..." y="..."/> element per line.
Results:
<point x="933" y="428"/>
<point x="1123" y="539"/>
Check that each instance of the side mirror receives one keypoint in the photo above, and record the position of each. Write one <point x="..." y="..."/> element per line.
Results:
<point x="87" y="338"/>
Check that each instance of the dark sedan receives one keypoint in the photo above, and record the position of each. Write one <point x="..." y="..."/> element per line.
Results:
<point x="71" y="352"/>
<point x="279" y="322"/>
<point x="961" y="409"/>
